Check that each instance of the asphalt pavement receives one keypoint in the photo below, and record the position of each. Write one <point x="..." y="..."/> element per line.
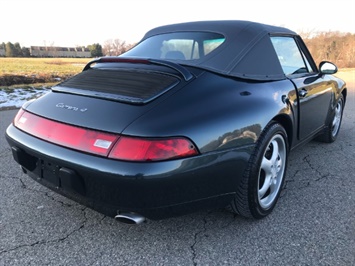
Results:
<point x="312" y="224"/>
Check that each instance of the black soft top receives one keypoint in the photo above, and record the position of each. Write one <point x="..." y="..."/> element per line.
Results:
<point x="247" y="51"/>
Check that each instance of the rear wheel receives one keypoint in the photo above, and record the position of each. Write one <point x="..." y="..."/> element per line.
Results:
<point x="331" y="132"/>
<point x="263" y="179"/>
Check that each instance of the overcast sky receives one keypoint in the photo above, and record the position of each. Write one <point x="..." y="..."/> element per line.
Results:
<point x="84" y="22"/>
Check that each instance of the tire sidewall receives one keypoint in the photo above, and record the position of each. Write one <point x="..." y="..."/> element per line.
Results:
<point x="330" y="126"/>
<point x="270" y="131"/>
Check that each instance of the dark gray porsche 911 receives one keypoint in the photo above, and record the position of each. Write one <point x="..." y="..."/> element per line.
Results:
<point x="197" y="115"/>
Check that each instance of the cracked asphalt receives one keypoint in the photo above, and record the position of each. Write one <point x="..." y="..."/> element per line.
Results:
<point x="312" y="224"/>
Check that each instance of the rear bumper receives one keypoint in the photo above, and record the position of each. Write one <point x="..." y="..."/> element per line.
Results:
<point x="155" y="190"/>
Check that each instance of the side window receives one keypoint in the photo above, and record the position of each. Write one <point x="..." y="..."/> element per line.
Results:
<point x="210" y="45"/>
<point x="291" y="59"/>
<point x="310" y="69"/>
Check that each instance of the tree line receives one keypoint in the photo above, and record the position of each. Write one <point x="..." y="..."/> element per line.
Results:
<point x="336" y="47"/>
<point x="14" y="50"/>
<point x="111" y="47"/>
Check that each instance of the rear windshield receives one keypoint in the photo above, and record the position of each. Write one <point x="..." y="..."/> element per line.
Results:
<point x="177" y="46"/>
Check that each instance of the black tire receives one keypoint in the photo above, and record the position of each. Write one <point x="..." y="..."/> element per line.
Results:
<point x="331" y="132"/>
<point x="263" y="179"/>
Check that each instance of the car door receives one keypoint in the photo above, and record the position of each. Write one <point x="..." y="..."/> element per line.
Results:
<point x="314" y="91"/>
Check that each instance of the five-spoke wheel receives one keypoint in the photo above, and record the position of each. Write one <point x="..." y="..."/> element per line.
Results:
<point x="262" y="181"/>
<point x="272" y="171"/>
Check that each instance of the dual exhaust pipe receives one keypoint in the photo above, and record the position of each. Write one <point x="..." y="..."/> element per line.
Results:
<point x="130" y="218"/>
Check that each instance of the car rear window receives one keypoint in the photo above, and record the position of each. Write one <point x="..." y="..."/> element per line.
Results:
<point x="121" y="85"/>
<point x="178" y="46"/>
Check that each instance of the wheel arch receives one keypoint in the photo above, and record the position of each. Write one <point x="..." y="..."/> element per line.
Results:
<point x="287" y="124"/>
<point x="344" y="92"/>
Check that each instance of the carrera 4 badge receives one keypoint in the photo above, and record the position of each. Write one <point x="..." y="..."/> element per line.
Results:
<point x="69" y="107"/>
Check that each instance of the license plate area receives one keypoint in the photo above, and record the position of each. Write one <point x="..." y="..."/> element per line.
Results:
<point x="50" y="173"/>
<point x="62" y="177"/>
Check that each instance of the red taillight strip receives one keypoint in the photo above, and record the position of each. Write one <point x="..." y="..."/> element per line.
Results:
<point x="82" y="139"/>
<point x="137" y="149"/>
<point x="104" y="144"/>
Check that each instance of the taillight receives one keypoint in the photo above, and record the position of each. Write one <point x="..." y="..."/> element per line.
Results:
<point x="69" y="136"/>
<point x="137" y="149"/>
<point x="104" y="144"/>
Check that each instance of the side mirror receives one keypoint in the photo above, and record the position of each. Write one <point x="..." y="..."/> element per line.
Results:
<point x="326" y="67"/>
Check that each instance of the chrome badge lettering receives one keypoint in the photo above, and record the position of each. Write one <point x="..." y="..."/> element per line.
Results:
<point x="69" y="107"/>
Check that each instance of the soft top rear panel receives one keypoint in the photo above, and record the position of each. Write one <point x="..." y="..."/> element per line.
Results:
<point x="246" y="52"/>
<point x="121" y="85"/>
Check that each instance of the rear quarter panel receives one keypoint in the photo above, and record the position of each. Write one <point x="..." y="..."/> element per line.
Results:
<point x="217" y="112"/>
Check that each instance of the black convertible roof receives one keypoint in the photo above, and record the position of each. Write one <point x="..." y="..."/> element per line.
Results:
<point x="247" y="51"/>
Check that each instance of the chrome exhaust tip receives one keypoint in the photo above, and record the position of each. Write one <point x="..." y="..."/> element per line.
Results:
<point x="130" y="218"/>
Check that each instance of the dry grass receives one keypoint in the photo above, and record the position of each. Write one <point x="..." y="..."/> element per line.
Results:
<point x="35" y="66"/>
<point x="15" y="71"/>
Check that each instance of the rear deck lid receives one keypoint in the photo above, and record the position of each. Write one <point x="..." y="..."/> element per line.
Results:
<point x="87" y="112"/>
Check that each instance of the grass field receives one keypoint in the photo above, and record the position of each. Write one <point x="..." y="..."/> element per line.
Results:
<point x="16" y="71"/>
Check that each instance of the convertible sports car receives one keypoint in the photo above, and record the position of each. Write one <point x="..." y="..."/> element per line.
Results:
<point x="198" y="115"/>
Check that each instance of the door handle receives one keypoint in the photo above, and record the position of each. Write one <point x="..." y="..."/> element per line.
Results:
<point x="302" y="92"/>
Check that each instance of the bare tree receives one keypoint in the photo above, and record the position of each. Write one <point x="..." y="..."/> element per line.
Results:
<point x="115" y="47"/>
<point x="107" y="48"/>
<point x="336" y="47"/>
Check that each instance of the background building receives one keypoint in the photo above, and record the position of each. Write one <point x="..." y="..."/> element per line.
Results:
<point x="53" y="51"/>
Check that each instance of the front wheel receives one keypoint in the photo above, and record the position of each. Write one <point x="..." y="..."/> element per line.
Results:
<point x="331" y="132"/>
<point x="263" y="179"/>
